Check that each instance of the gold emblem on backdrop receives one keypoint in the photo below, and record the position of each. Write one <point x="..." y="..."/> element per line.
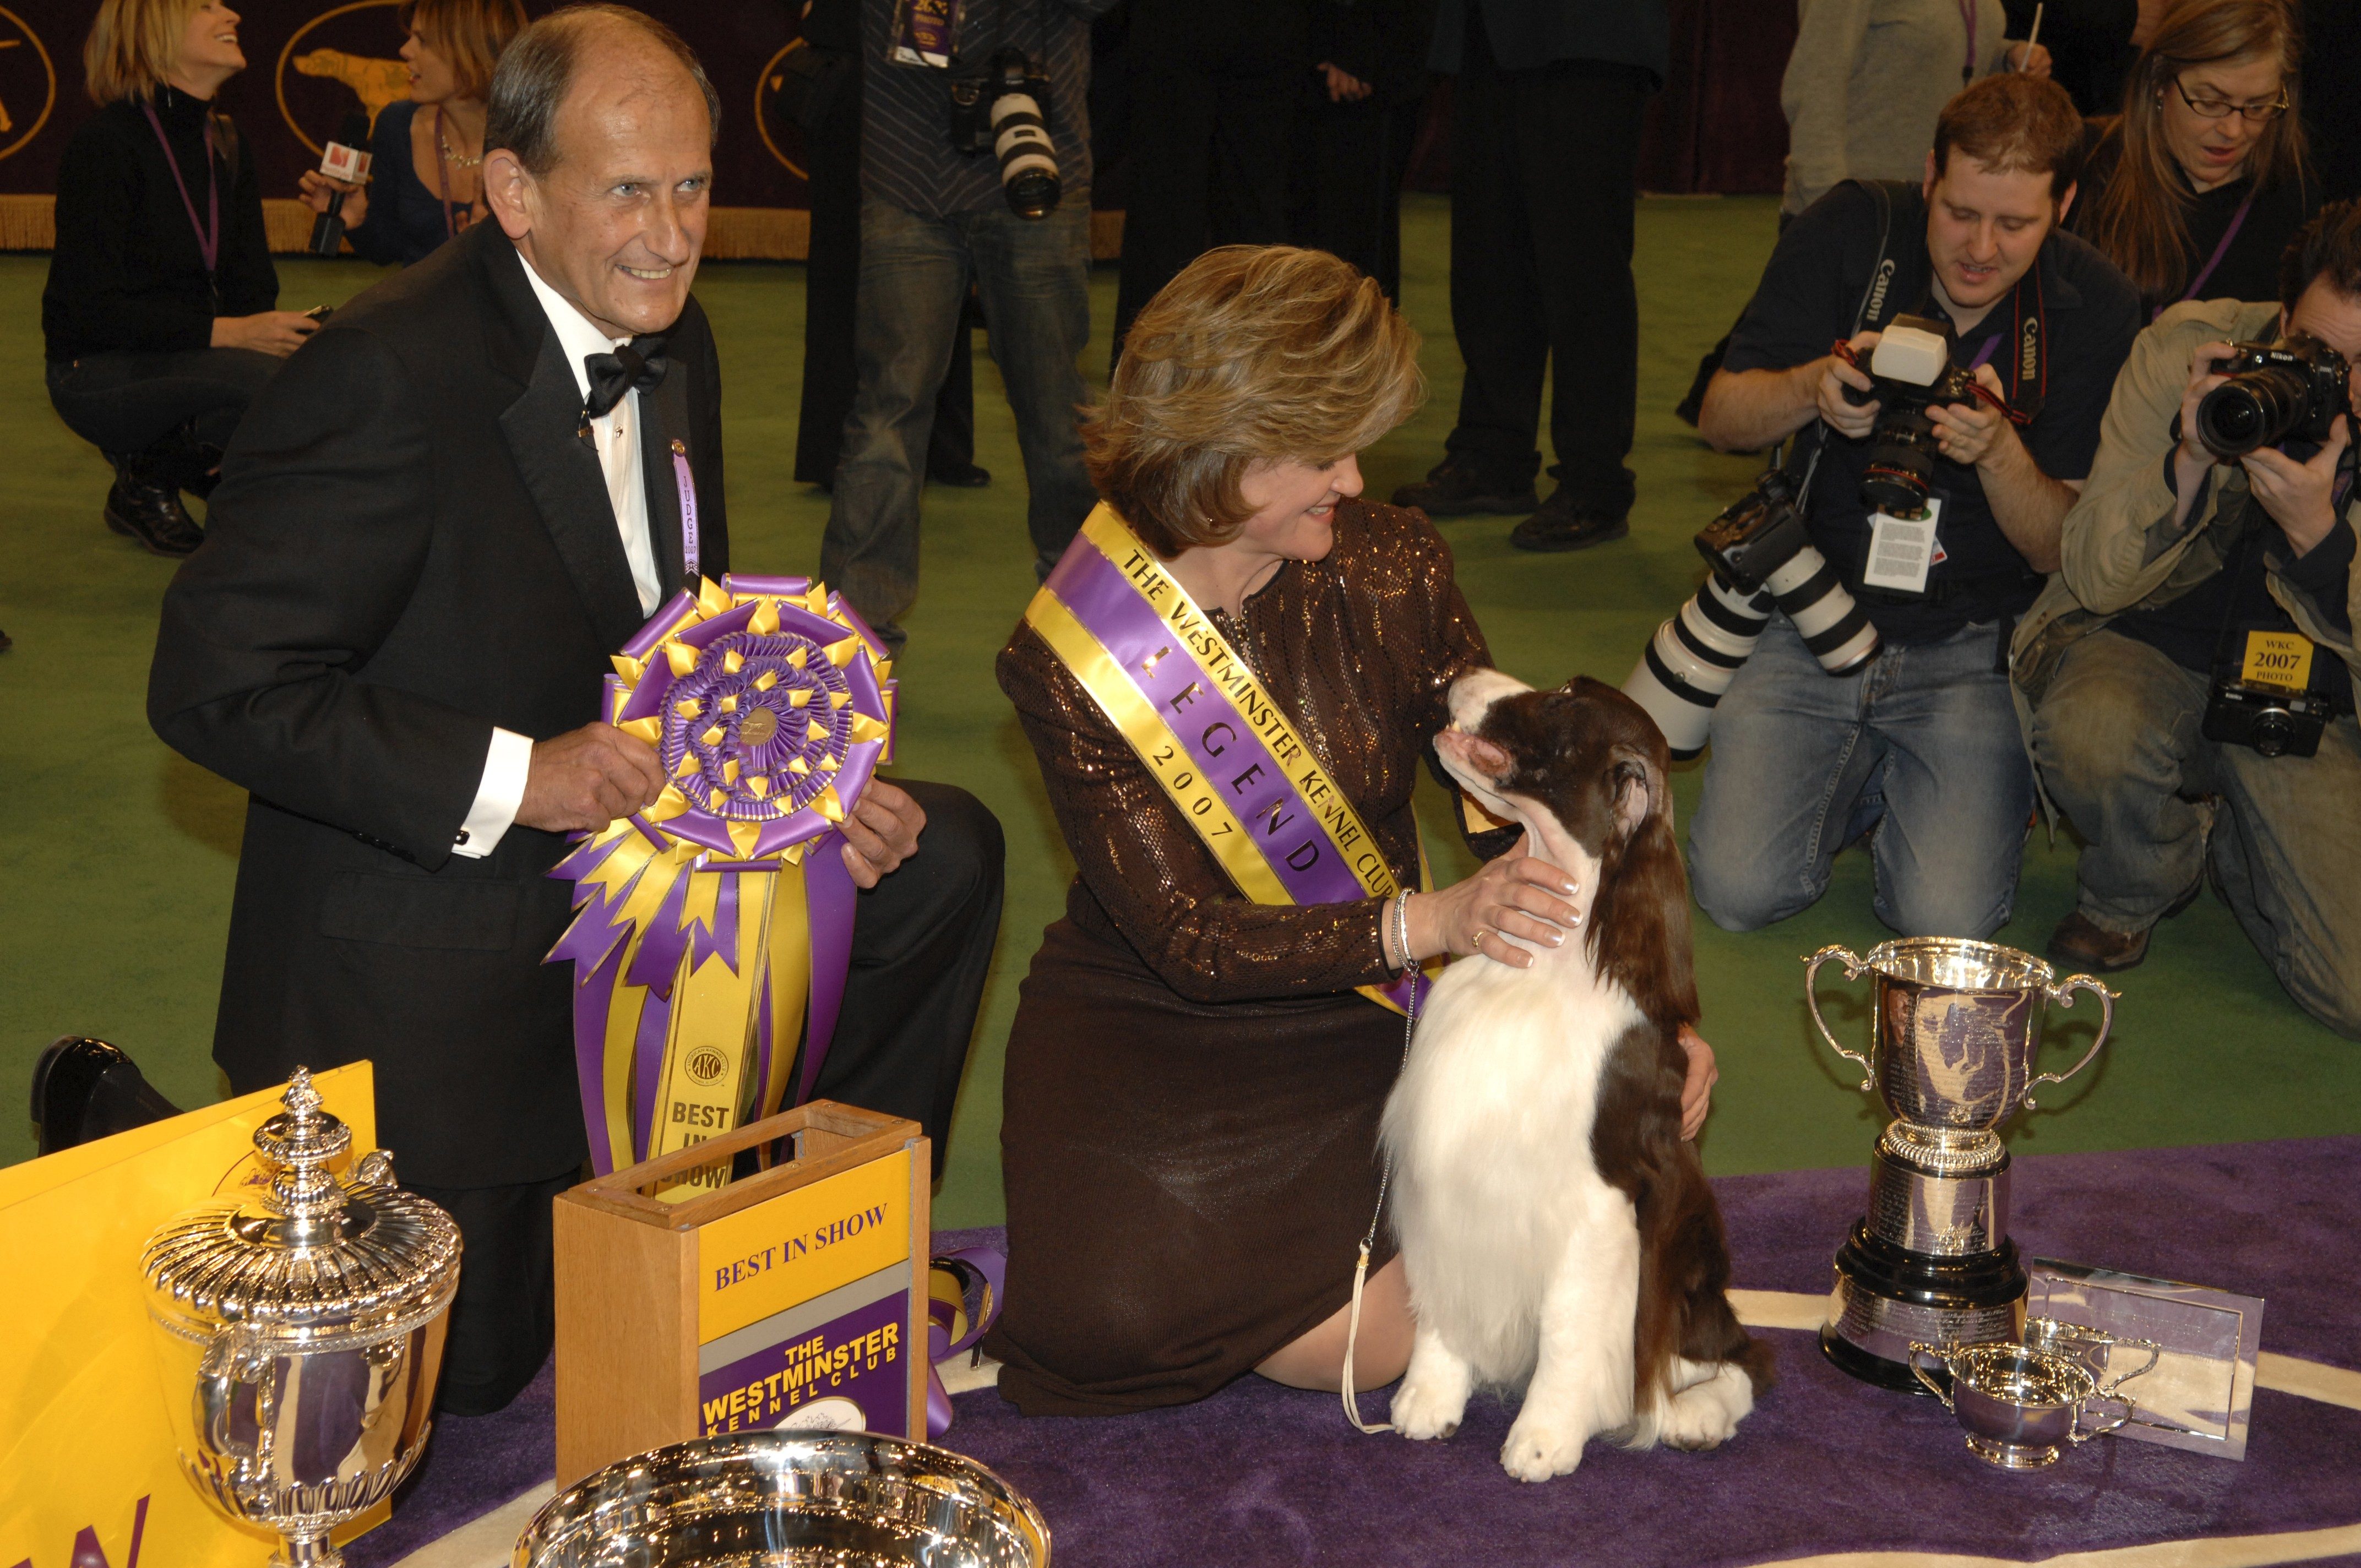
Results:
<point x="28" y="83"/>
<point x="375" y="80"/>
<point x="767" y="82"/>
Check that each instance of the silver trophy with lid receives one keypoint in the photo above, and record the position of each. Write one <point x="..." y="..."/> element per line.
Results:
<point x="1955" y="1028"/>
<point x="299" y="1332"/>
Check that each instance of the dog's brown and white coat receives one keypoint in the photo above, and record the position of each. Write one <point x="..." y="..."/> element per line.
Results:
<point x="1556" y="1231"/>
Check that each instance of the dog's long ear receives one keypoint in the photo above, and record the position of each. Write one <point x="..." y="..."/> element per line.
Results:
<point x="1640" y="921"/>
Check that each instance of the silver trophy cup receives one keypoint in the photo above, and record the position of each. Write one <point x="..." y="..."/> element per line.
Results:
<point x="299" y="1333"/>
<point x="1955" y="1031"/>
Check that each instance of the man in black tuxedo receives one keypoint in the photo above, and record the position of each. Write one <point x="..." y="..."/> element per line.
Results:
<point x="431" y="533"/>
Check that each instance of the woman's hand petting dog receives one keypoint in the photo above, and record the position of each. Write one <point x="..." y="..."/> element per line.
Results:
<point x="1518" y="895"/>
<point x="1697" y="1090"/>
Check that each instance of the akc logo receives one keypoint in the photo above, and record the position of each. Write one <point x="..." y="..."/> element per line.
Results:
<point x="340" y="48"/>
<point x="767" y="82"/>
<point x="28" y="83"/>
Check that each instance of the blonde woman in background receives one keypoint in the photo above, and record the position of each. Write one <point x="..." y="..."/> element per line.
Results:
<point x="426" y="164"/>
<point x="2195" y="190"/>
<point x="160" y="316"/>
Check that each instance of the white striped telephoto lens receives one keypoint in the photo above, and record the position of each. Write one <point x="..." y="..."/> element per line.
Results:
<point x="1029" y="162"/>
<point x="1830" y="620"/>
<point x="1692" y="659"/>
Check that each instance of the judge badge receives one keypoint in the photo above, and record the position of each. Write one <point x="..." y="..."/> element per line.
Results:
<point x="713" y="929"/>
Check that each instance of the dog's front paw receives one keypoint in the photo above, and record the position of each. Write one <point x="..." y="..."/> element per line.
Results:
<point x="1706" y="1414"/>
<point x="1424" y="1410"/>
<point x="1536" y="1452"/>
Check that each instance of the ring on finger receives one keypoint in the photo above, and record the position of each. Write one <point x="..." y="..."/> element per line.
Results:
<point x="1477" y="940"/>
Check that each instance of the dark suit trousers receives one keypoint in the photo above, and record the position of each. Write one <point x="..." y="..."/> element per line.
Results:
<point x="1542" y="170"/>
<point x="1344" y="190"/>
<point x="922" y="943"/>
<point x="831" y="288"/>
<point x="1211" y="108"/>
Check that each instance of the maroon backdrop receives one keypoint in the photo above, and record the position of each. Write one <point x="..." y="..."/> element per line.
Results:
<point x="1716" y="127"/>
<point x="309" y="63"/>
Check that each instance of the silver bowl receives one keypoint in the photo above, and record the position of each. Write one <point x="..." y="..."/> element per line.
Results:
<point x="777" y="1500"/>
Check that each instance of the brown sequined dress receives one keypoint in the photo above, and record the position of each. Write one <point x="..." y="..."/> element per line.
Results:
<point x="1188" y="1131"/>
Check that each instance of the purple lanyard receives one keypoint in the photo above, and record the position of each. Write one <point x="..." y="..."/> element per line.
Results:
<point x="1968" y="62"/>
<point x="1983" y="355"/>
<point x="208" y="232"/>
<point x="686" y="484"/>
<point x="2237" y="220"/>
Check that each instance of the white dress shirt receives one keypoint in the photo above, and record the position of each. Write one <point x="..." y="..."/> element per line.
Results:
<point x="616" y="433"/>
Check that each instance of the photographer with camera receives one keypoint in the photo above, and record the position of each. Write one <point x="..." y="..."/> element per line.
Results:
<point x="2191" y="674"/>
<point x="1935" y="459"/>
<point x="976" y="167"/>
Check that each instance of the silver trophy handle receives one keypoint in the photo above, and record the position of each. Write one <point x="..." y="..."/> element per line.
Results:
<point x="2155" y="1355"/>
<point x="1919" y="1372"/>
<point x="2081" y="1435"/>
<point x="1854" y="967"/>
<point x="2062" y="994"/>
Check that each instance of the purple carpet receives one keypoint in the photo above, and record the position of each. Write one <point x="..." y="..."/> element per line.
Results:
<point x="1260" y="1474"/>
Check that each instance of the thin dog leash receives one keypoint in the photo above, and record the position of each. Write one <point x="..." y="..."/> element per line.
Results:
<point x="1385" y="1180"/>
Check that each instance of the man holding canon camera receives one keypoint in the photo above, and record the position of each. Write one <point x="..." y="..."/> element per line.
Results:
<point x="1935" y="469"/>
<point x="975" y="169"/>
<point x="2191" y="674"/>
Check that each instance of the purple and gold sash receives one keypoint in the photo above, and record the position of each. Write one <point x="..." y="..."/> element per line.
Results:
<point x="713" y="926"/>
<point x="1229" y="757"/>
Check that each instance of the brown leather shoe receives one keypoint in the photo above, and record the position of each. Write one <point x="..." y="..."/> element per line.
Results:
<point x="2085" y="946"/>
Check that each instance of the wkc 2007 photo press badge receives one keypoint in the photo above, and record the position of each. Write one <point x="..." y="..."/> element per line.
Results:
<point x="713" y="929"/>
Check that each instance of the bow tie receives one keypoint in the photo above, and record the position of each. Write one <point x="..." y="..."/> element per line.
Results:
<point x="638" y="364"/>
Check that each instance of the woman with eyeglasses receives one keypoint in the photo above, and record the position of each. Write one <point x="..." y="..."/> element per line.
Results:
<point x="2195" y="189"/>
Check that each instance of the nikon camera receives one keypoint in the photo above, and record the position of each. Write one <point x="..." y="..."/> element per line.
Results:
<point x="1761" y="558"/>
<point x="1005" y="111"/>
<point x="2273" y="395"/>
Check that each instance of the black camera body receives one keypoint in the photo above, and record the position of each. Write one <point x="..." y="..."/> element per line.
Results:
<point x="1005" y="111"/>
<point x="2271" y="720"/>
<point x="1756" y="534"/>
<point x="1905" y="381"/>
<point x="2274" y="394"/>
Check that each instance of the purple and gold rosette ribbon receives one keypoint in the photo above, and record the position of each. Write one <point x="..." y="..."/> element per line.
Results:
<point x="713" y="931"/>
<point x="1232" y="762"/>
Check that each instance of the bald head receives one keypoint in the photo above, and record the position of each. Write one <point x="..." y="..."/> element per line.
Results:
<point x="597" y="46"/>
<point x="598" y="162"/>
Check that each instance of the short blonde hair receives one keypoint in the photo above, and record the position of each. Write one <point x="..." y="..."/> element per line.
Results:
<point x="1254" y="354"/>
<point x="469" y="34"/>
<point x="132" y="44"/>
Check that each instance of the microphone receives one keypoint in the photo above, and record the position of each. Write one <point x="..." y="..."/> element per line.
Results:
<point x="346" y="158"/>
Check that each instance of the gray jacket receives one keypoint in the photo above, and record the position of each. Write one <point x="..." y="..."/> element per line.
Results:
<point x="1866" y="82"/>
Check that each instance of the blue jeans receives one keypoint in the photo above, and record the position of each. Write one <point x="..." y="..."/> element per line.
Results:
<point x="1921" y="747"/>
<point x="1034" y="279"/>
<point x="2119" y="736"/>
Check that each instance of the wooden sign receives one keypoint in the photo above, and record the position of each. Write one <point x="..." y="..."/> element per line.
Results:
<point x="794" y="1295"/>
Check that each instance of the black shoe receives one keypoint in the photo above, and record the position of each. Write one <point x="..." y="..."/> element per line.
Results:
<point x="1560" y="524"/>
<point x="1453" y="488"/>
<point x="145" y="506"/>
<point x="85" y="1089"/>
<point x="960" y="476"/>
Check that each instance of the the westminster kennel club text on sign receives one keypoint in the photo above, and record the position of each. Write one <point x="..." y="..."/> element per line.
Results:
<point x="803" y="1303"/>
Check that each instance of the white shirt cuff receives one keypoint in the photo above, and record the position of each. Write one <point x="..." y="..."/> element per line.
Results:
<point x="499" y="797"/>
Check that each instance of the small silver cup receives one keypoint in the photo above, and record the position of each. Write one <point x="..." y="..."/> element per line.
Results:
<point x="2020" y="1407"/>
<point x="2095" y="1348"/>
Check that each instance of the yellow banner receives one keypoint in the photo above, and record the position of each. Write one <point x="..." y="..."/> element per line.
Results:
<point x="777" y="1254"/>
<point x="89" y="1475"/>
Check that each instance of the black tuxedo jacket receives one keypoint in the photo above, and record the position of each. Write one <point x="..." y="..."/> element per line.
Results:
<point x="410" y="545"/>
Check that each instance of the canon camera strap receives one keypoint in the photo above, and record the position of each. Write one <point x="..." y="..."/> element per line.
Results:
<point x="1882" y="194"/>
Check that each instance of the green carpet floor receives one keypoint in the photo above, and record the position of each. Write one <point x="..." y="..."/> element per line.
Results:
<point x="116" y="856"/>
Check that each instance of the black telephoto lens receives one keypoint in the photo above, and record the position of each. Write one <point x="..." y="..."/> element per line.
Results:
<point x="1901" y="468"/>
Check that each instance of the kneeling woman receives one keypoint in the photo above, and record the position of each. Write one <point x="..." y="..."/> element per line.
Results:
<point x="1229" y="682"/>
